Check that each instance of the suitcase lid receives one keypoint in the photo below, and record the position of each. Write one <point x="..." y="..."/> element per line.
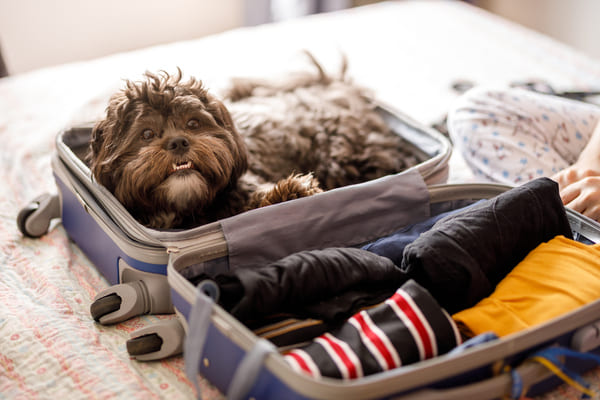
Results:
<point x="72" y="145"/>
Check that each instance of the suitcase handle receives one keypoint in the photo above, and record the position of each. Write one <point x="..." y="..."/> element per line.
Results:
<point x="247" y="371"/>
<point x="199" y="321"/>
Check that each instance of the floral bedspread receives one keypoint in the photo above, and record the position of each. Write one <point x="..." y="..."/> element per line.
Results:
<point x="408" y="52"/>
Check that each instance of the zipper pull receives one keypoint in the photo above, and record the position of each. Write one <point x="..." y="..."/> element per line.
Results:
<point x="172" y="249"/>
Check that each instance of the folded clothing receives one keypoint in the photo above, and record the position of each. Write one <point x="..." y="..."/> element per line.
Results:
<point x="408" y="327"/>
<point x="554" y="279"/>
<point x="463" y="256"/>
<point x="330" y="284"/>
<point x="392" y="246"/>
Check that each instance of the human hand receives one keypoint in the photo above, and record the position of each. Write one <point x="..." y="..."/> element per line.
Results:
<point x="580" y="190"/>
<point x="572" y="174"/>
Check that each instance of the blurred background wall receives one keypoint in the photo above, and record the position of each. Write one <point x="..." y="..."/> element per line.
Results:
<point x="574" y="22"/>
<point x="39" y="33"/>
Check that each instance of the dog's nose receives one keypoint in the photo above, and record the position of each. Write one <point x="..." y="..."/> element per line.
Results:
<point x="178" y="145"/>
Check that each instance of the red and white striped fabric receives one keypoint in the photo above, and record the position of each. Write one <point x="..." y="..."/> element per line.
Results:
<point x="408" y="327"/>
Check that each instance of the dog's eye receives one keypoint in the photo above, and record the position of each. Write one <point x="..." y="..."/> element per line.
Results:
<point x="147" y="134"/>
<point x="193" y="124"/>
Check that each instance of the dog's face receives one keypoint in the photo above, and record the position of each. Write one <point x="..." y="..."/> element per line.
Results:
<point x="166" y="149"/>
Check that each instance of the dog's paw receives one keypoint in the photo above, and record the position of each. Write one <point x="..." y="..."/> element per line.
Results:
<point x="293" y="187"/>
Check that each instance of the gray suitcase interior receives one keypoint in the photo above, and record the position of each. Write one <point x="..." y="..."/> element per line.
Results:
<point x="126" y="252"/>
<point x="432" y="149"/>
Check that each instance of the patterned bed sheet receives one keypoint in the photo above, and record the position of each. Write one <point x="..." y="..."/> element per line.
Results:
<point x="408" y="53"/>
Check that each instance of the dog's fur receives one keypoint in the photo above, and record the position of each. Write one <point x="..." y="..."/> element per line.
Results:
<point x="172" y="154"/>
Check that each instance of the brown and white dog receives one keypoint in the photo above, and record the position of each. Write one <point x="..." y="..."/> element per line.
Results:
<point x="172" y="154"/>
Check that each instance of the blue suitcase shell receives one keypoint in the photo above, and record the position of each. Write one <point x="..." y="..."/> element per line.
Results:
<point x="243" y="365"/>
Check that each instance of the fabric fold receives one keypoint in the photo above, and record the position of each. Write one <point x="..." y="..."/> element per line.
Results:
<point x="328" y="284"/>
<point x="555" y="278"/>
<point x="408" y="327"/>
<point x="463" y="256"/>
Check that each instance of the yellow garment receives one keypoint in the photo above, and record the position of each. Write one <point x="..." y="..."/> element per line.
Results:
<point x="555" y="278"/>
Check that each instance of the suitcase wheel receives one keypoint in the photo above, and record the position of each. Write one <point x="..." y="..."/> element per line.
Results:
<point x="145" y="344"/>
<point x="105" y="305"/>
<point x="150" y="295"/>
<point x="34" y="219"/>
<point x="157" y="341"/>
<point x="22" y="218"/>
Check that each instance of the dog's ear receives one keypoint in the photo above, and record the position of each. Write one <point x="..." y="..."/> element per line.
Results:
<point x="220" y="113"/>
<point x="223" y="118"/>
<point x="96" y="140"/>
<point x="97" y="152"/>
<point x="103" y="140"/>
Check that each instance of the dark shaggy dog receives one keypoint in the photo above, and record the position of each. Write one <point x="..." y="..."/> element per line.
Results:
<point x="174" y="156"/>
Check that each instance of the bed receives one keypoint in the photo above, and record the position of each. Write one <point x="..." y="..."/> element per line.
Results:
<point x="408" y="52"/>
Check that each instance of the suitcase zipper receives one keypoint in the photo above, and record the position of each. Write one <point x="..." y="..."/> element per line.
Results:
<point x="203" y="246"/>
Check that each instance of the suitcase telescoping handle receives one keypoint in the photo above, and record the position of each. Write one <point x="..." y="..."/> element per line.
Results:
<point x="198" y="324"/>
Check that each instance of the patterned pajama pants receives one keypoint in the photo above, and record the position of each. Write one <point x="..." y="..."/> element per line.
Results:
<point x="515" y="135"/>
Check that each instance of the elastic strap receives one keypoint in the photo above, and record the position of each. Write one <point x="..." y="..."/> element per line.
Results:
<point x="516" y="389"/>
<point x="198" y="323"/>
<point x="550" y="358"/>
<point x="559" y="372"/>
<point x="247" y="372"/>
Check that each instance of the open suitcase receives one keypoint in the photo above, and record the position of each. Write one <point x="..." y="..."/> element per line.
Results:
<point x="134" y="258"/>
<point x="243" y="364"/>
<point x="147" y="269"/>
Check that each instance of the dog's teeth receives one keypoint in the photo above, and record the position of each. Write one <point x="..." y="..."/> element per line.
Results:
<point x="179" y="167"/>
